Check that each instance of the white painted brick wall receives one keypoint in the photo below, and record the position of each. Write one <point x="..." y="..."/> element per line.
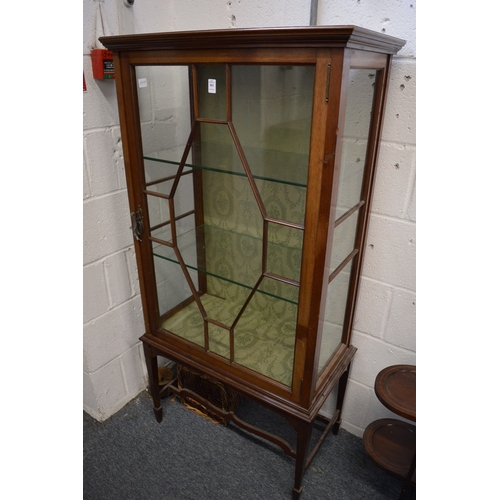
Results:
<point x="384" y="327"/>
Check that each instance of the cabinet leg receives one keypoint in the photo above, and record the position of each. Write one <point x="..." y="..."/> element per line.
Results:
<point x="304" y="431"/>
<point x="154" y="383"/>
<point x="340" y="399"/>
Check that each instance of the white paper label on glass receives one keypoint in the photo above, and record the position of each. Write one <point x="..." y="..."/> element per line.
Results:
<point x="211" y="86"/>
<point x="142" y="82"/>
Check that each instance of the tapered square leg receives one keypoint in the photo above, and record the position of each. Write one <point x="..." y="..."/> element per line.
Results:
<point x="154" y="383"/>
<point x="340" y="398"/>
<point x="304" y="431"/>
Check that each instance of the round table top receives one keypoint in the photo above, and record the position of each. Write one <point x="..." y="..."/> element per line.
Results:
<point x="391" y="444"/>
<point x="395" y="387"/>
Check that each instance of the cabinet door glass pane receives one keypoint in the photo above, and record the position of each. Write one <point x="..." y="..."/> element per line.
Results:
<point x="165" y="116"/>
<point x="284" y="251"/>
<point x="271" y="112"/>
<point x="175" y="294"/>
<point x="264" y="336"/>
<point x="164" y="107"/>
<point x="226" y="204"/>
<point x="212" y="91"/>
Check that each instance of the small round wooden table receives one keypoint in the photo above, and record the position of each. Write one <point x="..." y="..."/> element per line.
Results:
<point x="389" y="442"/>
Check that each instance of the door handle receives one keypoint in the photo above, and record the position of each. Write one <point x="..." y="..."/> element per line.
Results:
<point x="137" y="224"/>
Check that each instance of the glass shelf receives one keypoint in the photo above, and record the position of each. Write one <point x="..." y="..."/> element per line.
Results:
<point x="236" y="259"/>
<point x="265" y="164"/>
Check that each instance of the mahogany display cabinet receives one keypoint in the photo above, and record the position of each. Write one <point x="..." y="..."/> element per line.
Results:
<point x="250" y="162"/>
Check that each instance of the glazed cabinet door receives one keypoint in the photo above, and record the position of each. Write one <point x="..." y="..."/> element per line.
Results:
<point x="225" y="158"/>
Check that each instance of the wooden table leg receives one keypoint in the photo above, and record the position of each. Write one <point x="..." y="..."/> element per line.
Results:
<point x="304" y="431"/>
<point x="154" y="383"/>
<point x="340" y="398"/>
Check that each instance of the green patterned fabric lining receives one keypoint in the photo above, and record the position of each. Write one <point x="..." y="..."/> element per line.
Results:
<point x="230" y="205"/>
<point x="264" y="337"/>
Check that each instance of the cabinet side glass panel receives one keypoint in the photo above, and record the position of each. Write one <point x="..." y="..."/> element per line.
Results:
<point x="359" y="107"/>
<point x="355" y="139"/>
<point x="333" y="321"/>
<point x="344" y="239"/>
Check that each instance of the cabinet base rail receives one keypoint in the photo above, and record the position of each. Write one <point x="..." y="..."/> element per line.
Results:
<point x="303" y="428"/>
<point x="230" y="416"/>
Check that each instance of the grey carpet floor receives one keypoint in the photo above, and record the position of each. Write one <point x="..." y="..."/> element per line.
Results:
<point x="186" y="457"/>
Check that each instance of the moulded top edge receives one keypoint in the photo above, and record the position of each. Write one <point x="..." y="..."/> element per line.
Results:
<point x="312" y="36"/>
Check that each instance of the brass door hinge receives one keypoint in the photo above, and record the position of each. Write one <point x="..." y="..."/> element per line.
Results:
<point x="328" y="82"/>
